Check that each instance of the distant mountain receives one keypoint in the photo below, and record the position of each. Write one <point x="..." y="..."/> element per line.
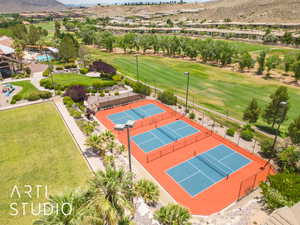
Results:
<point x="9" y="6"/>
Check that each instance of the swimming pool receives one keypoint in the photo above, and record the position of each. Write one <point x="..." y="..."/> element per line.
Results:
<point x="44" y="58"/>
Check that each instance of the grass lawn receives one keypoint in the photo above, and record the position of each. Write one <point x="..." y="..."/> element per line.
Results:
<point x="27" y="88"/>
<point x="36" y="149"/>
<point x="75" y="79"/>
<point x="250" y="47"/>
<point x="212" y="87"/>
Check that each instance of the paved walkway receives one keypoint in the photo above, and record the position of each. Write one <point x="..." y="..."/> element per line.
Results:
<point x="93" y="160"/>
<point x="22" y="104"/>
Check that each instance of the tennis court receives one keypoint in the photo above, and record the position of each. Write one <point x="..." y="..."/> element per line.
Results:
<point x="204" y="170"/>
<point x="163" y="135"/>
<point x="135" y="113"/>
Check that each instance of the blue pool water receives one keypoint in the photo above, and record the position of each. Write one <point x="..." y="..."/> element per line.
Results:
<point x="44" y="58"/>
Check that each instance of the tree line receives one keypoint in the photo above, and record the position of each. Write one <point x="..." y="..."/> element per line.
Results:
<point x="210" y="51"/>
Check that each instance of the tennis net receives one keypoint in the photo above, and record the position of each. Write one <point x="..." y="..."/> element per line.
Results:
<point x="174" y="138"/>
<point x="138" y="113"/>
<point x="210" y="164"/>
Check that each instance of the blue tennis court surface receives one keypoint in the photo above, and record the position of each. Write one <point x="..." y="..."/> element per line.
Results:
<point x="135" y="113"/>
<point x="206" y="169"/>
<point x="163" y="135"/>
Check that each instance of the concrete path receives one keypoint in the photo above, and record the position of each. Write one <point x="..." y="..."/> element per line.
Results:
<point x="93" y="160"/>
<point x="8" y="80"/>
<point x="22" y="104"/>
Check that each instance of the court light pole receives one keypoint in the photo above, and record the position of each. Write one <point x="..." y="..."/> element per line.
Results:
<point x="187" y="90"/>
<point x="137" y="67"/>
<point x="129" y="124"/>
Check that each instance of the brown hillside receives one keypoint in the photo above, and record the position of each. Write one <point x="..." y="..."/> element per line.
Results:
<point x="11" y="6"/>
<point x="237" y="10"/>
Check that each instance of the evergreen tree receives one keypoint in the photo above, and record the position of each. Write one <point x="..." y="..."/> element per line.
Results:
<point x="261" y="62"/>
<point x="245" y="61"/>
<point x="273" y="113"/>
<point x="294" y="130"/>
<point x="296" y="70"/>
<point x="68" y="48"/>
<point x="271" y="63"/>
<point x="288" y="62"/>
<point x="252" y="112"/>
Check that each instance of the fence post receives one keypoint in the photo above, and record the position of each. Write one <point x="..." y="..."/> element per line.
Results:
<point x="239" y="193"/>
<point x="254" y="146"/>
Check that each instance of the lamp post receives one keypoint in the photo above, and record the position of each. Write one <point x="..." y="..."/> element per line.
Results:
<point x="137" y="67"/>
<point x="129" y="124"/>
<point x="187" y="90"/>
<point x="283" y="106"/>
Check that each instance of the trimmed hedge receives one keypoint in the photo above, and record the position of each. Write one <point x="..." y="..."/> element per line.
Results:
<point x="138" y="87"/>
<point x="83" y="70"/>
<point x="97" y="85"/>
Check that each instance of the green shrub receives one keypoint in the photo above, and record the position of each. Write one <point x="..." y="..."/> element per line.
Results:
<point x="70" y="66"/>
<point x="192" y="115"/>
<point x="117" y="77"/>
<point x="74" y="113"/>
<point x="27" y="71"/>
<point x="98" y="85"/>
<point x="15" y="98"/>
<point x="45" y="94"/>
<point x="68" y="101"/>
<point x="102" y="94"/>
<point x="247" y="135"/>
<point x="230" y="132"/>
<point x="46" y="73"/>
<point x="117" y="93"/>
<point x="58" y="92"/>
<point x="33" y="96"/>
<point x="46" y="84"/>
<point x="106" y="91"/>
<point x="59" y="68"/>
<point x="84" y="70"/>
<point x="167" y="97"/>
<point x="141" y="89"/>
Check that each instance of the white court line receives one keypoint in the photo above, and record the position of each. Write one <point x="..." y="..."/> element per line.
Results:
<point x="201" y="172"/>
<point x="153" y="137"/>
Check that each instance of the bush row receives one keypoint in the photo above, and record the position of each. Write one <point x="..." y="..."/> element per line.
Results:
<point x="96" y="86"/>
<point x="138" y="87"/>
<point x="32" y="97"/>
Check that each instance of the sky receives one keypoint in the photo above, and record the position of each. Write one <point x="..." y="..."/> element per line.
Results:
<point x="87" y="2"/>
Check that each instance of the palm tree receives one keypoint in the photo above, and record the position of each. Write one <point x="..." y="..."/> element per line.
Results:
<point x="95" y="142"/>
<point x="148" y="191"/>
<point x="173" y="214"/>
<point x="112" y="192"/>
<point x="66" y="209"/>
<point x="126" y="221"/>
